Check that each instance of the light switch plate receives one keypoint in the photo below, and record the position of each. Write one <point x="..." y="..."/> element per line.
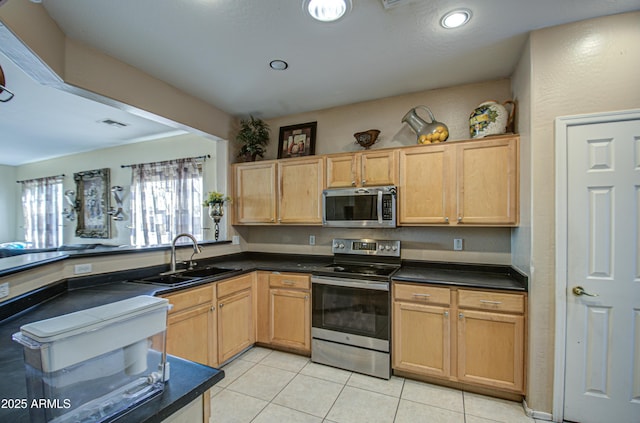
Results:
<point x="312" y="240"/>
<point x="457" y="244"/>
<point x="79" y="269"/>
<point x="235" y="239"/>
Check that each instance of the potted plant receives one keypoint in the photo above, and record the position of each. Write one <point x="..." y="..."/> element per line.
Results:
<point x="214" y="200"/>
<point x="254" y="136"/>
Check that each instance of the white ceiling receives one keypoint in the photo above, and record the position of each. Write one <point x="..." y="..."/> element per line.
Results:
<point x="219" y="51"/>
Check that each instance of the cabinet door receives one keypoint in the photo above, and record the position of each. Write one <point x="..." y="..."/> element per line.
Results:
<point x="342" y="170"/>
<point x="301" y="185"/>
<point x="491" y="349"/>
<point x="235" y="324"/>
<point x="421" y="339"/>
<point x="188" y="334"/>
<point x="379" y="168"/>
<point x="255" y="193"/>
<point x="290" y="319"/>
<point x="425" y="176"/>
<point x="487" y="182"/>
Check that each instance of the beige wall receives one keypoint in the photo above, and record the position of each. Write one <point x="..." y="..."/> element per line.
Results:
<point x="337" y="125"/>
<point x="586" y="67"/>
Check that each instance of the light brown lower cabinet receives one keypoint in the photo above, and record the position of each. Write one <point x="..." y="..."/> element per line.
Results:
<point x="475" y="337"/>
<point x="235" y="316"/>
<point x="284" y="311"/>
<point x="191" y="325"/>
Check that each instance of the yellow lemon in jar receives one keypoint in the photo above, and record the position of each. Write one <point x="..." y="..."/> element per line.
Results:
<point x="422" y="139"/>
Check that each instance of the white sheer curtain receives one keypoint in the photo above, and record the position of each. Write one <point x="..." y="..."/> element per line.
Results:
<point x="166" y="199"/>
<point x="42" y="208"/>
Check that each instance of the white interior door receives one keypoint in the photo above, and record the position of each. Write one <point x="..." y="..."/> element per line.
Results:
<point x="602" y="366"/>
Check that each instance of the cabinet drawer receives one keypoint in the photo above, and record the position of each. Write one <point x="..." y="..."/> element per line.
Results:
<point x="495" y="301"/>
<point x="234" y="285"/>
<point x="189" y="298"/>
<point x="422" y="294"/>
<point x="289" y="280"/>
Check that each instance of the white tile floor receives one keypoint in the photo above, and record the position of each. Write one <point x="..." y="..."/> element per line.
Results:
<point x="264" y="386"/>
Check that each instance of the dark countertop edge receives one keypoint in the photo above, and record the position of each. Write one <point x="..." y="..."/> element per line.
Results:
<point x="63" y="255"/>
<point x="505" y="271"/>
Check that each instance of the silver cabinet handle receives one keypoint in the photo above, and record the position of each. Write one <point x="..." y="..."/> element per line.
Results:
<point x="364" y="182"/>
<point x="213" y="308"/>
<point x="446" y="220"/>
<point x="353" y="183"/>
<point x="306" y="297"/>
<point x="459" y="218"/>
<point x="220" y="305"/>
<point x="446" y="314"/>
<point x="460" y="315"/>
<point x="422" y="295"/>
<point x="490" y="302"/>
<point x="285" y="282"/>
<point x="578" y="291"/>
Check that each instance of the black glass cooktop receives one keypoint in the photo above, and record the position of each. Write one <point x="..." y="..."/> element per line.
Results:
<point x="346" y="269"/>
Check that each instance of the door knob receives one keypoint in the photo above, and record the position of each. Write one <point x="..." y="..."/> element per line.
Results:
<point x="578" y="290"/>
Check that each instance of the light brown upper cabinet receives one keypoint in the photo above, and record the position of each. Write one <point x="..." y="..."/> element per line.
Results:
<point x="471" y="183"/>
<point x="301" y="182"/>
<point x="369" y="168"/>
<point x="255" y="196"/>
<point x="488" y="182"/>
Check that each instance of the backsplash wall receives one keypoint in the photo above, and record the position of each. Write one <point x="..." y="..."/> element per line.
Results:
<point x="480" y="245"/>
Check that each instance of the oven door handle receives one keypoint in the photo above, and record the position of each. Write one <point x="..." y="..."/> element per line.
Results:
<point x="351" y="283"/>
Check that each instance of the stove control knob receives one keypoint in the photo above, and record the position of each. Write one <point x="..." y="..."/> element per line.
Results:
<point x="388" y="248"/>
<point x="341" y="246"/>
<point x="381" y="248"/>
<point x="394" y="248"/>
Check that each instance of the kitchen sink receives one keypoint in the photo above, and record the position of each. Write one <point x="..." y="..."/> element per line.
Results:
<point x="183" y="277"/>
<point x="174" y="279"/>
<point x="206" y="272"/>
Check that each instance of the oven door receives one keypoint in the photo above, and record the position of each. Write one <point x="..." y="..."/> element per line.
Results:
<point x="351" y="311"/>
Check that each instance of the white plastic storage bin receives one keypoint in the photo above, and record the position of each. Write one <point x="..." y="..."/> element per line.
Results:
<point x="93" y="364"/>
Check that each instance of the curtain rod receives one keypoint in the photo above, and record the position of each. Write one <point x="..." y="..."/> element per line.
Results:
<point x="45" y="177"/>
<point x="206" y="156"/>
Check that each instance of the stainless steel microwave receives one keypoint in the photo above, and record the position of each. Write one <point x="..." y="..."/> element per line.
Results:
<point x="359" y="207"/>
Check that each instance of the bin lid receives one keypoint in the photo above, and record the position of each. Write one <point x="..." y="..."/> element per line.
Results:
<point x="71" y="324"/>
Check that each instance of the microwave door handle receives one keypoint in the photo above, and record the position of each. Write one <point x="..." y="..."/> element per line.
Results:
<point x="380" y="207"/>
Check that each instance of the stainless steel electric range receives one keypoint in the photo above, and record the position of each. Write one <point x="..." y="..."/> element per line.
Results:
<point x="351" y="306"/>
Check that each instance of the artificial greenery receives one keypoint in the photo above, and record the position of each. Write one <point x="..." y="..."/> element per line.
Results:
<point x="254" y="136"/>
<point x="215" y="197"/>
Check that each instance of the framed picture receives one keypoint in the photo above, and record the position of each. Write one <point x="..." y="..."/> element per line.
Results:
<point x="297" y="140"/>
<point x="92" y="188"/>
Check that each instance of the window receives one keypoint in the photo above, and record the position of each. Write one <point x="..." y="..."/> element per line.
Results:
<point x="42" y="208"/>
<point x="166" y="200"/>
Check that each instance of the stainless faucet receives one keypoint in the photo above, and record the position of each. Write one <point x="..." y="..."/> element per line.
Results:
<point x="196" y="249"/>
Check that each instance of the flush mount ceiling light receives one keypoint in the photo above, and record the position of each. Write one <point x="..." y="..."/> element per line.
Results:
<point x="327" y="10"/>
<point x="455" y="18"/>
<point x="278" y="64"/>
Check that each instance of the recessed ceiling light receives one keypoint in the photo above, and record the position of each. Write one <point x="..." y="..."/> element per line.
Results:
<point x="455" y="18"/>
<point x="278" y="64"/>
<point x="327" y="10"/>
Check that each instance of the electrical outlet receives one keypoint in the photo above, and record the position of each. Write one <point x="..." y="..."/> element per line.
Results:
<point x="312" y="240"/>
<point x="79" y="269"/>
<point x="457" y="244"/>
<point x="235" y="239"/>
<point x="4" y="290"/>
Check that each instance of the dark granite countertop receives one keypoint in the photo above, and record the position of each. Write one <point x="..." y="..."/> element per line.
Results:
<point x="454" y="274"/>
<point x="188" y="380"/>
